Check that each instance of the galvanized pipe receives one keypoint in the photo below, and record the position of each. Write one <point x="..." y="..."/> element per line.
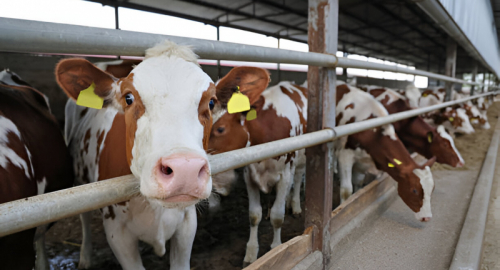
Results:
<point x="27" y="213"/>
<point x="42" y="37"/>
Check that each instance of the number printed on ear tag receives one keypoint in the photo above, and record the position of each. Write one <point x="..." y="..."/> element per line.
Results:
<point x="89" y="99"/>
<point x="251" y="115"/>
<point x="238" y="103"/>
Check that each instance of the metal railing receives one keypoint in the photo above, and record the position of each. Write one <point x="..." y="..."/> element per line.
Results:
<point x="27" y="213"/>
<point x="41" y="37"/>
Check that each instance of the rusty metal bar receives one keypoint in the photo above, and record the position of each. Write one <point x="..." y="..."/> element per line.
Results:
<point x="323" y="28"/>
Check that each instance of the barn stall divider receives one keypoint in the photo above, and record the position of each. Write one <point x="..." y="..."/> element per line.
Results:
<point x="38" y="37"/>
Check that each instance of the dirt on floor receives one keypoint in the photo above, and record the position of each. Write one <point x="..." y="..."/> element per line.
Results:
<point x="219" y="244"/>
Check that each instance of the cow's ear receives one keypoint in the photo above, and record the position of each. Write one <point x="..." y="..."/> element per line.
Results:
<point x="251" y="81"/>
<point x="429" y="162"/>
<point x="74" y="75"/>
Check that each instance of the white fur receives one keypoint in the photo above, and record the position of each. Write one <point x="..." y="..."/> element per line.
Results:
<point x="41" y="185"/>
<point x="169" y="88"/>
<point x="442" y="132"/>
<point x="413" y="94"/>
<point x="6" y="77"/>
<point x="466" y="127"/>
<point x="7" y="155"/>
<point x="393" y="96"/>
<point x="427" y="183"/>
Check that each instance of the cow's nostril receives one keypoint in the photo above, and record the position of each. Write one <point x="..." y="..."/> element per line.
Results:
<point x="166" y="170"/>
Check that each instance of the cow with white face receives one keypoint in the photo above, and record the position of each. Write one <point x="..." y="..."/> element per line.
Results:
<point x="155" y="123"/>
<point x="383" y="148"/>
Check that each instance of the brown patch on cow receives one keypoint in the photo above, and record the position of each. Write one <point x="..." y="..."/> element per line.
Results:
<point x="442" y="90"/>
<point x="294" y="95"/>
<point x="385" y="100"/>
<point x="205" y="114"/>
<point x="113" y="157"/>
<point x="86" y="141"/>
<point x="111" y="213"/>
<point x="350" y="106"/>
<point x="84" y="112"/>
<point x="339" y="117"/>
<point x="100" y="138"/>
<point x="352" y="120"/>
<point x="132" y="112"/>
<point x="377" y="92"/>
<point x="122" y="70"/>
<point x="341" y="91"/>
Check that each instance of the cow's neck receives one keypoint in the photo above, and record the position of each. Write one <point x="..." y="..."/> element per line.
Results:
<point x="113" y="157"/>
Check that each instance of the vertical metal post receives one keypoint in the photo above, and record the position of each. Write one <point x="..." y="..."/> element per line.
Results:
<point x="219" y="69"/>
<point x="279" y="67"/>
<point x="322" y="37"/>
<point x="474" y="74"/>
<point x="484" y="82"/>
<point x="117" y="23"/>
<point x="451" y="61"/>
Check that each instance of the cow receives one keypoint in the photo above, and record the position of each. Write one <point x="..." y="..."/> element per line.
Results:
<point x="454" y="119"/>
<point x="34" y="160"/>
<point x="415" y="133"/>
<point x="383" y="148"/>
<point x="154" y="123"/>
<point x="281" y="113"/>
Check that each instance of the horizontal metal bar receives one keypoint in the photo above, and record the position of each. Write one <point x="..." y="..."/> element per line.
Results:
<point x="27" y="213"/>
<point x="42" y="37"/>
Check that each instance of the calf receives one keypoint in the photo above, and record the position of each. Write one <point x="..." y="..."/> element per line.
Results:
<point x="155" y="123"/>
<point x="281" y="113"/>
<point x="415" y="133"/>
<point x="33" y="160"/>
<point x="415" y="182"/>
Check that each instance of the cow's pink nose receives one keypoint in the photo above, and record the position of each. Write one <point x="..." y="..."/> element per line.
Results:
<point x="183" y="178"/>
<point x="460" y="164"/>
<point x="425" y="219"/>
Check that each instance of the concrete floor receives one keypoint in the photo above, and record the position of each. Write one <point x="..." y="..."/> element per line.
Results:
<point x="398" y="241"/>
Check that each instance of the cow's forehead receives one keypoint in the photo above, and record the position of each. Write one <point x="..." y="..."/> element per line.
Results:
<point x="170" y="79"/>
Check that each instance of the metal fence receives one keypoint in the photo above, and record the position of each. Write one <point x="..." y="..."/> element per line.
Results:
<point x="38" y="37"/>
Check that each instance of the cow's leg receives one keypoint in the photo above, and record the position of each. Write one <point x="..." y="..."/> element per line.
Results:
<point x="124" y="243"/>
<point x="86" y="249"/>
<point x="297" y="183"/>
<point x="345" y="162"/>
<point x="278" y="209"/>
<point x="42" y="261"/>
<point x="181" y="242"/>
<point x="255" y="212"/>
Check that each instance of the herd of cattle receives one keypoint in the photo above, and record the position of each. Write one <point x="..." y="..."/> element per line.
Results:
<point x="161" y="119"/>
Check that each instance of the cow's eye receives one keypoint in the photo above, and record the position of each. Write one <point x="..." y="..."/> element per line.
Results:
<point x="414" y="190"/>
<point x="129" y="99"/>
<point x="211" y="104"/>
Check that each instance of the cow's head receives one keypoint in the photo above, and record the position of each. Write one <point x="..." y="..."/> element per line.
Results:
<point x="415" y="182"/>
<point x="457" y="120"/>
<point x="429" y="141"/>
<point x="168" y="102"/>
<point x="229" y="131"/>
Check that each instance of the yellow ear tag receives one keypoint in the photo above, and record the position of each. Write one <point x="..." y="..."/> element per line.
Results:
<point x="251" y="115"/>
<point x="398" y="162"/>
<point x="451" y="119"/>
<point x="390" y="165"/>
<point x="238" y="103"/>
<point x="424" y="95"/>
<point x="429" y="138"/>
<point x="89" y="99"/>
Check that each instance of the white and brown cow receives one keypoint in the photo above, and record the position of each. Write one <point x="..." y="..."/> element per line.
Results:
<point x="455" y="119"/>
<point x="33" y="160"/>
<point x="155" y="124"/>
<point x="381" y="146"/>
<point x="415" y="133"/>
<point x="281" y="113"/>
